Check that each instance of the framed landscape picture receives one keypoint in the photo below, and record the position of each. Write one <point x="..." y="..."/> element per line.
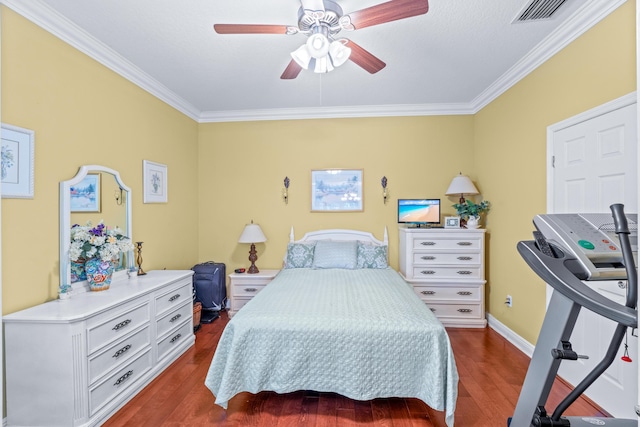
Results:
<point x="85" y="196"/>
<point x="336" y="190"/>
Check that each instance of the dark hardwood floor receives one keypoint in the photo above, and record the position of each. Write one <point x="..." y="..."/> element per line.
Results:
<point x="491" y="374"/>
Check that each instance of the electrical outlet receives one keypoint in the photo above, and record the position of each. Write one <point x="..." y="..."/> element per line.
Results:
<point x="509" y="301"/>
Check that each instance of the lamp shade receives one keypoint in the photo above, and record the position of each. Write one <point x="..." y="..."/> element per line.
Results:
<point x="252" y="233"/>
<point x="461" y="184"/>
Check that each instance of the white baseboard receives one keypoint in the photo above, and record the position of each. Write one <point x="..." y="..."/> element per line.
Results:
<point x="523" y="345"/>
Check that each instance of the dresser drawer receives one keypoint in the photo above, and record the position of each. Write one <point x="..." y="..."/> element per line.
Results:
<point x="106" y="329"/>
<point x="457" y="293"/>
<point x="422" y="258"/>
<point x="461" y="272"/>
<point x="118" y="382"/>
<point x="248" y="289"/>
<point x="118" y="354"/>
<point x="174" y="318"/>
<point x="441" y="243"/>
<point x="174" y="339"/>
<point x="172" y="299"/>
<point x="458" y="311"/>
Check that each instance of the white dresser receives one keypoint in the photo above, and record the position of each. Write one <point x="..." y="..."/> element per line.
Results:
<point x="75" y="362"/>
<point x="446" y="269"/>
<point x="245" y="286"/>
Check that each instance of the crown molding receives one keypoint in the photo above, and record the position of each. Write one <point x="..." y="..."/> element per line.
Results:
<point x="562" y="36"/>
<point x="335" y="112"/>
<point x="48" y="19"/>
<point x="45" y="17"/>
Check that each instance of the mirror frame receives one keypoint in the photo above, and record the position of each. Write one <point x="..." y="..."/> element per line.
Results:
<point x="65" y="221"/>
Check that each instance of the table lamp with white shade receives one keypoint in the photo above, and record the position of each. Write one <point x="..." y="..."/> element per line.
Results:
<point x="253" y="234"/>
<point x="461" y="185"/>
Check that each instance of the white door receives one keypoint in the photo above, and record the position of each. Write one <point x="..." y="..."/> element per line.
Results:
<point x="594" y="164"/>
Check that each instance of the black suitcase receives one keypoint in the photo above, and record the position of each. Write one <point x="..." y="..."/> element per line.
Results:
<point x="209" y="284"/>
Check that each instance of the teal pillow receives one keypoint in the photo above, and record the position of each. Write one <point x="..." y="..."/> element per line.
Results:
<point x="330" y="254"/>
<point x="299" y="255"/>
<point x="372" y="256"/>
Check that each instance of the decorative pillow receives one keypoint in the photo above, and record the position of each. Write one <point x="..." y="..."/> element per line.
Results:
<point x="372" y="256"/>
<point x="300" y="255"/>
<point x="331" y="254"/>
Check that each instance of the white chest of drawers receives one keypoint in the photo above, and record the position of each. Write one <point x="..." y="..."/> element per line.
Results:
<point x="76" y="362"/>
<point x="446" y="269"/>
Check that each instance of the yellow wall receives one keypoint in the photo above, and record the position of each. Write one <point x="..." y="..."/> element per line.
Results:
<point x="510" y="152"/>
<point x="83" y="113"/>
<point x="242" y="167"/>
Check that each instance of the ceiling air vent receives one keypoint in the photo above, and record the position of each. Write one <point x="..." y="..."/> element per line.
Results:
<point x="539" y="9"/>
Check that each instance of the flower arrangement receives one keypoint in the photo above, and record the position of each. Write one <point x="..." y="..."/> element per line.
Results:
<point x="99" y="241"/>
<point x="469" y="209"/>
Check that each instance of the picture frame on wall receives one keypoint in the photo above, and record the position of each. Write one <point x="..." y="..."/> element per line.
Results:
<point x="155" y="182"/>
<point x="86" y="195"/>
<point x="452" y="222"/>
<point x="16" y="166"/>
<point x="337" y="190"/>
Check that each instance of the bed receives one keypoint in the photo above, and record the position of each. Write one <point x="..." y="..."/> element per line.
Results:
<point x="337" y="319"/>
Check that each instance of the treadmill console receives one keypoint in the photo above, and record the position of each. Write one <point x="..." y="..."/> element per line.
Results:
<point x="592" y="240"/>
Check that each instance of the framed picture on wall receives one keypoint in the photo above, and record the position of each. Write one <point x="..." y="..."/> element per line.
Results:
<point x="155" y="182"/>
<point x="85" y="196"/>
<point x="336" y="190"/>
<point x="16" y="167"/>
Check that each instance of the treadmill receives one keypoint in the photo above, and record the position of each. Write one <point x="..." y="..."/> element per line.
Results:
<point x="568" y="249"/>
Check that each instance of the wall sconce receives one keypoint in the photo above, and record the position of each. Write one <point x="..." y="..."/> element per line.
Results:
<point x="385" y="192"/>
<point x="118" y="196"/>
<point x="285" y="190"/>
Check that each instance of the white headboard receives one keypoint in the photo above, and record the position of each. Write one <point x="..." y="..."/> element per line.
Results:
<point x="341" y="235"/>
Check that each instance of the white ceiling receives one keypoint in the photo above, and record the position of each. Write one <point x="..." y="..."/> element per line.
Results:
<point x="453" y="60"/>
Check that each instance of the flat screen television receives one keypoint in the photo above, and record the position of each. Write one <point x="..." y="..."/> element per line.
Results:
<point x="419" y="212"/>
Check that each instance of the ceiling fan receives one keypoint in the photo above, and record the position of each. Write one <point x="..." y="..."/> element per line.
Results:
<point x="321" y="21"/>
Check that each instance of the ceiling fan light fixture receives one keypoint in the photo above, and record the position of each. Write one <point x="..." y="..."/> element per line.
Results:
<point x="339" y="53"/>
<point x="318" y="45"/>
<point x="323" y="65"/>
<point x="302" y="57"/>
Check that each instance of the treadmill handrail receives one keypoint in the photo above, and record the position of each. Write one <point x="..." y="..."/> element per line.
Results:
<point x="554" y="272"/>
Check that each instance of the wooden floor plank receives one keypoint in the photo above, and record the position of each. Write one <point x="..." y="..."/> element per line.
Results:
<point x="491" y="375"/>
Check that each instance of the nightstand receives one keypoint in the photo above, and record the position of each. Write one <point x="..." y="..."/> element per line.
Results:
<point x="245" y="286"/>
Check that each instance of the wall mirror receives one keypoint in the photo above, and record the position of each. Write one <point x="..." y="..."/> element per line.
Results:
<point x="95" y="194"/>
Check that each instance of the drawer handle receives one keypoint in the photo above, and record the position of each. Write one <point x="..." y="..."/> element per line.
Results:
<point x="428" y="292"/>
<point x="464" y="243"/>
<point x="175" y="297"/>
<point x="464" y="293"/>
<point x="428" y="258"/>
<point x="121" y="325"/>
<point x="427" y="272"/>
<point x="465" y="310"/>
<point x="427" y="243"/>
<point x="432" y="309"/>
<point x="176" y="338"/>
<point x="123" y="378"/>
<point x="122" y="351"/>
<point x="464" y="272"/>
<point x="250" y="289"/>
<point x="174" y="318"/>
<point x="464" y="258"/>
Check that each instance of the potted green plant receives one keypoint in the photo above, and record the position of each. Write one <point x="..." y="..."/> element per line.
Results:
<point x="469" y="212"/>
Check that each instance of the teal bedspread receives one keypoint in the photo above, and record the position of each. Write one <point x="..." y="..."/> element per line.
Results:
<point x="361" y="333"/>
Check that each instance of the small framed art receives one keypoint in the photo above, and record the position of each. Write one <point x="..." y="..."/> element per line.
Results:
<point x="336" y="190"/>
<point x="85" y="195"/>
<point x="155" y="182"/>
<point x="16" y="167"/>
<point x="452" y="222"/>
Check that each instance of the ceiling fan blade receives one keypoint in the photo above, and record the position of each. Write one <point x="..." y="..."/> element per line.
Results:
<point x="292" y="71"/>
<point x="364" y="58"/>
<point x="250" y="29"/>
<point x="387" y="12"/>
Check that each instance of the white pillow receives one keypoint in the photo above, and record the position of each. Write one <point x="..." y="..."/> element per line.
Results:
<point x="332" y="254"/>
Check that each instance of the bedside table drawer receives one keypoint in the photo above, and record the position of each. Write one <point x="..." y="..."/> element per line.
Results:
<point x="461" y="272"/>
<point x="248" y="289"/>
<point x="434" y="293"/>
<point x="456" y="310"/>
<point x="438" y="243"/>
